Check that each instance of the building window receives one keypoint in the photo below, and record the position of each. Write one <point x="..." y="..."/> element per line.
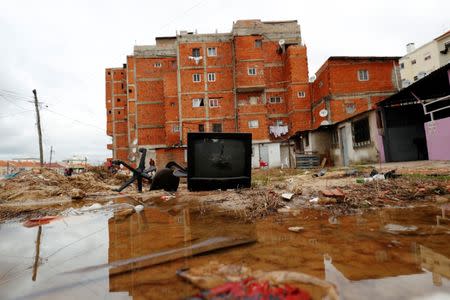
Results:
<point x="174" y="64"/>
<point x="306" y="140"/>
<point x="251" y="71"/>
<point x="172" y="104"/>
<point x="157" y="65"/>
<point x="196" y="77"/>
<point x="253" y="124"/>
<point x="363" y="75"/>
<point x="213" y="102"/>
<point x="197" y="102"/>
<point x="201" y="128"/>
<point x="176" y="128"/>
<point x="258" y="43"/>
<point x="350" y="108"/>
<point x="118" y="99"/>
<point x="301" y="94"/>
<point x="217" y="128"/>
<point x="212" y="51"/>
<point x="253" y="100"/>
<point x="109" y="111"/>
<point x="279" y="123"/>
<point x="413" y="62"/>
<point x="211" y="77"/>
<point x="276" y="99"/>
<point x="334" y="138"/>
<point x="427" y="57"/>
<point x="361" y="132"/>
<point x="196" y="52"/>
<point x="402" y="66"/>
<point x="130" y="91"/>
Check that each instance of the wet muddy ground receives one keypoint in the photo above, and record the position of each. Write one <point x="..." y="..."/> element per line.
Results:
<point x="389" y="253"/>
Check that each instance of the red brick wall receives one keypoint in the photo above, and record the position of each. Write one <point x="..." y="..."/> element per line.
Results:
<point x="163" y="156"/>
<point x="337" y="84"/>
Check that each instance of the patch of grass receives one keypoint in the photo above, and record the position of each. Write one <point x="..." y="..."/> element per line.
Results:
<point x="440" y="177"/>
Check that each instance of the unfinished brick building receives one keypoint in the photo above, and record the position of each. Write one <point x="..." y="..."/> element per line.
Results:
<point x="344" y="95"/>
<point x="254" y="79"/>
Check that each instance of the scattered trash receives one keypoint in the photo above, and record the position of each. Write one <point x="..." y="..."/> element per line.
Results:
<point x="10" y="176"/>
<point x="287" y="196"/>
<point x="314" y="200"/>
<point x="396" y="228"/>
<point x="373" y="173"/>
<point x="94" y="206"/>
<point x="320" y="173"/>
<point x="167" y="197"/>
<point x="215" y="274"/>
<point x="252" y="289"/>
<point x="139" y="208"/>
<point x="333" y="220"/>
<point x="296" y="228"/>
<point x="40" y="221"/>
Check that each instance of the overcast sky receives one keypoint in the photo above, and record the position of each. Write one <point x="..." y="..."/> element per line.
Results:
<point x="61" y="48"/>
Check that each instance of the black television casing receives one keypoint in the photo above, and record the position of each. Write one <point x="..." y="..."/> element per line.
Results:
<point x="227" y="168"/>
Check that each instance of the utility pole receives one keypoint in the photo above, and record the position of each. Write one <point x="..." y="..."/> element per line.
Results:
<point x="38" y="121"/>
<point x="51" y="152"/>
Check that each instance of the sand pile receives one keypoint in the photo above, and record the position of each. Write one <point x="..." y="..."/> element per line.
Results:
<point x="45" y="183"/>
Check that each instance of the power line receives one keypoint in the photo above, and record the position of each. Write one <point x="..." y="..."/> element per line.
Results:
<point x="12" y="102"/>
<point x="75" y="120"/>
<point x="18" y="113"/>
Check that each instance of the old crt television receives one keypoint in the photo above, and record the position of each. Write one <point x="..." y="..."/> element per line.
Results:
<point x="219" y="160"/>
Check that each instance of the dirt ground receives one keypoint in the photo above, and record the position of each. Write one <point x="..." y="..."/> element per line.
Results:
<point x="43" y="192"/>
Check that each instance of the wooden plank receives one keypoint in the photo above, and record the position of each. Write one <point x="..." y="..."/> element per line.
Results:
<point x="153" y="259"/>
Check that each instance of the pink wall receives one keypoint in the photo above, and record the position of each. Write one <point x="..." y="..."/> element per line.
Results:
<point x="380" y="147"/>
<point x="438" y="139"/>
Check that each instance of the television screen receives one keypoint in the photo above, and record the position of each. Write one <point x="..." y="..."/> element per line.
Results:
<point x="219" y="160"/>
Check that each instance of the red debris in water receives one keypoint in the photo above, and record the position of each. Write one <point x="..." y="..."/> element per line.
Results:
<point x="39" y="221"/>
<point x="251" y="289"/>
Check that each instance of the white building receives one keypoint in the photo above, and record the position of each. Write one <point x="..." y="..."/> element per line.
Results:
<point x="418" y="63"/>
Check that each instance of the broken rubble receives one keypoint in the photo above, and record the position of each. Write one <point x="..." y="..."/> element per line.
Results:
<point x="77" y="194"/>
<point x="287" y="196"/>
<point x="296" y="228"/>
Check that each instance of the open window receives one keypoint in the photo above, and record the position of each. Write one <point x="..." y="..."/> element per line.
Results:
<point x="361" y="132"/>
<point x="195" y="52"/>
<point x="217" y="127"/>
<point x="198" y="102"/>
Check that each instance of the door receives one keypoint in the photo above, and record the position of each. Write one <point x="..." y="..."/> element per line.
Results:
<point x="343" y="142"/>
<point x="264" y="153"/>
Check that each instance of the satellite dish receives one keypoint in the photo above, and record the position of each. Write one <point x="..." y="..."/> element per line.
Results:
<point x="312" y="78"/>
<point x="135" y="142"/>
<point x="324" y="122"/>
<point x="281" y="42"/>
<point x="323" y="113"/>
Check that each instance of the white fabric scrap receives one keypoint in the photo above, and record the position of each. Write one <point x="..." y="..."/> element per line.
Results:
<point x="278" y="130"/>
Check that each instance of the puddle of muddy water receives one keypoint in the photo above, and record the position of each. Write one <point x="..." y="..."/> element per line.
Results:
<point x="367" y="256"/>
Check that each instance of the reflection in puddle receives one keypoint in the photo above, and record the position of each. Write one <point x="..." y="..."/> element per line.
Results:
<point x="355" y="252"/>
